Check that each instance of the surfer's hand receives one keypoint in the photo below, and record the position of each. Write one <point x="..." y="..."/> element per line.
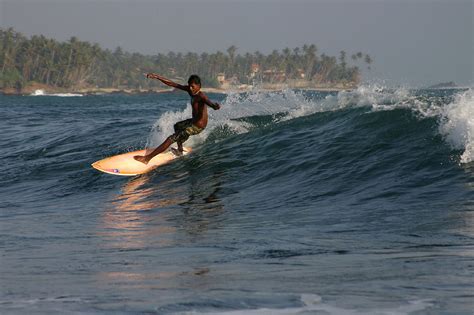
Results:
<point x="217" y="106"/>
<point x="152" y="76"/>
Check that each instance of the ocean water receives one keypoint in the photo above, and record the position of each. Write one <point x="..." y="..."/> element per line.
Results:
<point x="293" y="202"/>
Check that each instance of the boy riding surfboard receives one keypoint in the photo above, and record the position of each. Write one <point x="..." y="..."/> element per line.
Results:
<point x="188" y="127"/>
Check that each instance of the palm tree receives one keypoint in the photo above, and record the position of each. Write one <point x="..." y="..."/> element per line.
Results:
<point x="310" y="60"/>
<point x="231" y="51"/>
<point x="342" y="59"/>
<point x="368" y="60"/>
<point x="10" y="44"/>
<point x="72" y="48"/>
<point x="74" y="62"/>
<point x="50" y="62"/>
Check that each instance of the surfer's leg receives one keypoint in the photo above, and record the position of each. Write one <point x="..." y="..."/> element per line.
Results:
<point x="179" y="136"/>
<point x="184" y="135"/>
<point x="161" y="148"/>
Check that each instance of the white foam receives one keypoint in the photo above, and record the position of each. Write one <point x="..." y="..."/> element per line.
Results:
<point x="65" y="94"/>
<point x="42" y="93"/>
<point x="380" y="98"/>
<point x="457" y="124"/>
<point x="37" y="93"/>
<point x="292" y="103"/>
<point x="236" y="105"/>
<point x="313" y="303"/>
<point x="375" y="97"/>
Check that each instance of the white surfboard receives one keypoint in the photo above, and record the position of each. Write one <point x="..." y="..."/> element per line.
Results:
<point x="125" y="165"/>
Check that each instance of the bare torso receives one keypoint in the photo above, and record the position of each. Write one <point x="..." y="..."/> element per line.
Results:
<point x="199" y="110"/>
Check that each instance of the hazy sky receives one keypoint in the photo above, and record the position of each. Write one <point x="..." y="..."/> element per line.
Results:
<point x="412" y="42"/>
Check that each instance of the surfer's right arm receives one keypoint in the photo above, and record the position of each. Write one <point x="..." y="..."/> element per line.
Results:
<point x="167" y="81"/>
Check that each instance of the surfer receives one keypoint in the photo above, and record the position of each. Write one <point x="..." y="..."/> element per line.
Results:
<point x="188" y="127"/>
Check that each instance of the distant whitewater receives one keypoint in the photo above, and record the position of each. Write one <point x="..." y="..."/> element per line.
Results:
<point x="43" y="93"/>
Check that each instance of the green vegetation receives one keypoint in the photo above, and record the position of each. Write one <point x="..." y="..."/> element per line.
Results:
<point x="78" y="64"/>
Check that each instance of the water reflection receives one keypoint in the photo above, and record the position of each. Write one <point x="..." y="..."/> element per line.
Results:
<point x="149" y="211"/>
<point x="136" y="196"/>
<point x="151" y="226"/>
<point x="203" y="210"/>
<point x="127" y="222"/>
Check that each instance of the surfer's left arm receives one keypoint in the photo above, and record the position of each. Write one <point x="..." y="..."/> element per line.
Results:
<point x="167" y="81"/>
<point x="207" y="101"/>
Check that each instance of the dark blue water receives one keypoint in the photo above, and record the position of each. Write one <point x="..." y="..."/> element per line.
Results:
<point x="292" y="202"/>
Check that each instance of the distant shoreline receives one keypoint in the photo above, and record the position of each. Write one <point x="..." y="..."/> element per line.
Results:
<point x="42" y="89"/>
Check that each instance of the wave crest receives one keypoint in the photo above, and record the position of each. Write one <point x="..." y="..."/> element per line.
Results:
<point x="456" y="118"/>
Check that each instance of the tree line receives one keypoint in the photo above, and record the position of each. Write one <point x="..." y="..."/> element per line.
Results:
<point x="80" y="64"/>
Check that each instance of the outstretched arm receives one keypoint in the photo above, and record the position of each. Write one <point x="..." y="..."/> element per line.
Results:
<point x="214" y="106"/>
<point x="167" y="81"/>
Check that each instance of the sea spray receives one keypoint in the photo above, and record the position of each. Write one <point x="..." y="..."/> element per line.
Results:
<point x="291" y="103"/>
<point x="234" y="107"/>
<point x="457" y="124"/>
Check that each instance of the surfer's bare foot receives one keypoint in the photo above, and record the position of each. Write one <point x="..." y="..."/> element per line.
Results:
<point x="176" y="152"/>
<point x="141" y="158"/>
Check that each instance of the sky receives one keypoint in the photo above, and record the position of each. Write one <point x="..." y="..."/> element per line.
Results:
<point x="412" y="42"/>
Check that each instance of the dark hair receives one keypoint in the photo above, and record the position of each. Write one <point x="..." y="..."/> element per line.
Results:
<point x="194" y="79"/>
